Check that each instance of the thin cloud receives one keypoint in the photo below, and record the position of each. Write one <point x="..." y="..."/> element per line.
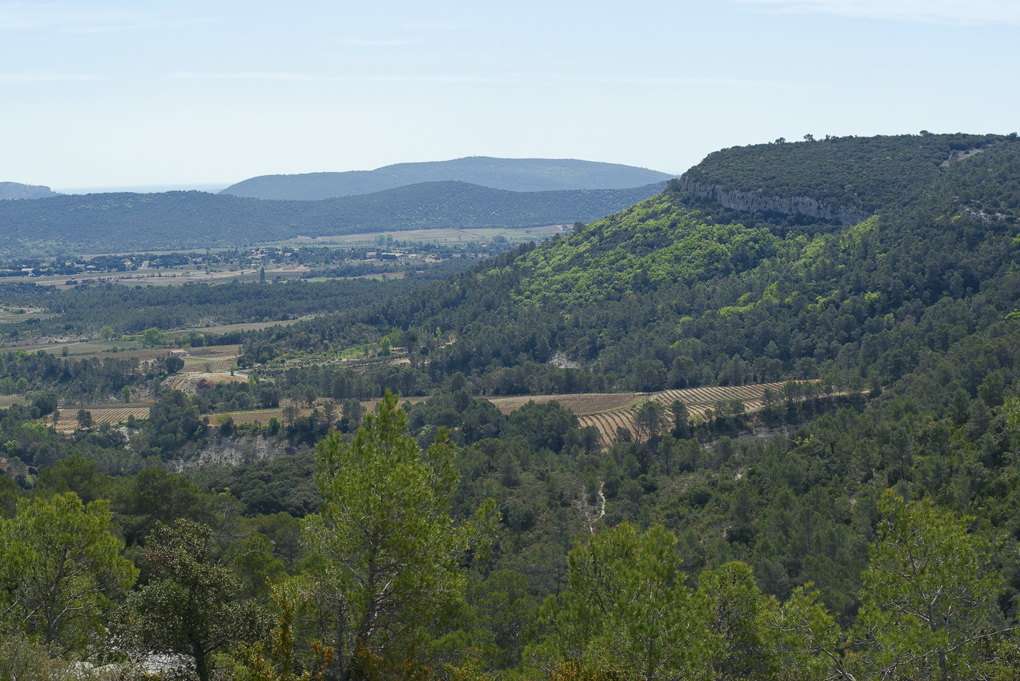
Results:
<point x="305" y="77"/>
<point x="955" y="12"/>
<point x="696" y="82"/>
<point x="512" y="78"/>
<point x="63" y="17"/>
<point x="250" y="75"/>
<point x="47" y="77"/>
<point x="112" y="28"/>
<point x="432" y="26"/>
<point x="376" y="43"/>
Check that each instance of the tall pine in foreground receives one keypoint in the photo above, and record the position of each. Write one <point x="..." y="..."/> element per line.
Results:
<point x="390" y="553"/>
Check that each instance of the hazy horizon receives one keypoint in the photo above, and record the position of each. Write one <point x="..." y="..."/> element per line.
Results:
<point x="106" y="94"/>
<point x="215" y="187"/>
<point x="211" y="188"/>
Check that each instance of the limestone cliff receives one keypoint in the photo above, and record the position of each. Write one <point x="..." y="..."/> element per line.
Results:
<point x="16" y="190"/>
<point x="753" y="202"/>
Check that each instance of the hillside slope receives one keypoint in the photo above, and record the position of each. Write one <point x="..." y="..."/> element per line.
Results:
<point x="679" y="292"/>
<point x="512" y="174"/>
<point x="182" y="220"/>
<point x="911" y="315"/>
<point x="897" y="451"/>
<point x="844" y="179"/>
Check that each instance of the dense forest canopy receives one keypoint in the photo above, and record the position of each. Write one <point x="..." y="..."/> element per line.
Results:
<point x="866" y="174"/>
<point x="860" y="523"/>
<point x="130" y="310"/>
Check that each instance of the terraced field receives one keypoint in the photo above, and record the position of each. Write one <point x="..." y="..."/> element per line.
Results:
<point x="696" y="399"/>
<point x="69" y="422"/>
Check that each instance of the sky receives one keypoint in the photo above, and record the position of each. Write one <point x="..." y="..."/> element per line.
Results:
<point x="204" y="94"/>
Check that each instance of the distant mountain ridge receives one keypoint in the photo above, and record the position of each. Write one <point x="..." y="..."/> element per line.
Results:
<point x="511" y="174"/>
<point x="16" y="190"/>
<point x="122" y="222"/>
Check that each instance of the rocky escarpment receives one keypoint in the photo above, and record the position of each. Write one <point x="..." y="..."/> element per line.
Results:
<point x="16" y="190"/>
<point x="754" y="202"/>
<point x="232" y="451"/>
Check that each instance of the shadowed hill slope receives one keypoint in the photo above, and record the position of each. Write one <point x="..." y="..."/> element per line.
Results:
<point x="98" y="223"/>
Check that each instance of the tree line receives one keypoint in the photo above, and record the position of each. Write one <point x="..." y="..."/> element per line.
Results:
<point x="418" y="561"/>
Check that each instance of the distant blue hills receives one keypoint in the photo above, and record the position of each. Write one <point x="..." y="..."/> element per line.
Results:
<point x="127" y="222"/>
<point x="511" y="174"/>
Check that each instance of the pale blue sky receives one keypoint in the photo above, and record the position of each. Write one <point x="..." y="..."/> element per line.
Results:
<point x="97" y="93"/>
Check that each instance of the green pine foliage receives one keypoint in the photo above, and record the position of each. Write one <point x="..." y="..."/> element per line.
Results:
<point x="873" y="174"/>
<point x="649" y="246"/>
<point x="863" y="525"/>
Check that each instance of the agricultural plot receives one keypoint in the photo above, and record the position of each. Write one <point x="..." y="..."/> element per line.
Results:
<point x="103" y="349"/>
<point x="7" y="400"/>
<point x="696" y="399"/>
<point x="581" y="404"/>
<point x="227" y="328"/>
<point x="261" y="416"/>
<point x="605" y="411"/>
<point x="215" y="358"/>
<point x="68" y="422"/>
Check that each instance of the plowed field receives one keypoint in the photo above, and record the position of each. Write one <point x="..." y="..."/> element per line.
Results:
<point x="590" y="411"/>
<point x="68" y="421"/>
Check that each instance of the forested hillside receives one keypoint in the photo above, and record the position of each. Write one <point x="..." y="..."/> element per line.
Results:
<point x="862" y="524"/>
<point x="677" y="292"/>
<point x="843" y="178"/>
<point x="119" y="223"/>
<point x="512" y="174"/>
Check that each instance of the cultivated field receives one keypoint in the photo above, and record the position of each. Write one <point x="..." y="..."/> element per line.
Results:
<point x="261" y="416"/>
<point x="214" y="359"/>
<point x="227" y="328"/>
<point x="605" y="411"/>
<point x="69" y="422"/>
<point x="581" y="404"/>
<point x="697" y="401"/>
